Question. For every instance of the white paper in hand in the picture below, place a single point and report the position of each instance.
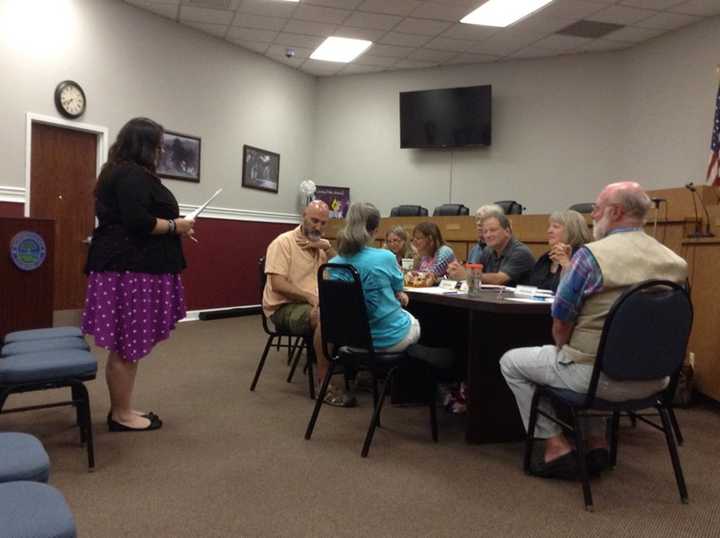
(194, 214)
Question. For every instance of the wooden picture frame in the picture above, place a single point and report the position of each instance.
(180, 157)
(261, 169)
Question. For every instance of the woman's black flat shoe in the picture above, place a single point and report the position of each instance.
(114, 426)
(149, 415)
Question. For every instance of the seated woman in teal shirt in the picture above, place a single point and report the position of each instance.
(392, 327)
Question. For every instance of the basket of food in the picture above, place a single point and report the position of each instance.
(419, 279)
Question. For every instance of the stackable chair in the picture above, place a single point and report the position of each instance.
(409, 211)
(450, 210)
(28, 506)
(347, 343)
(510, 207)
(645, 337)
(584, 207)
(275, 338)
(43, 359)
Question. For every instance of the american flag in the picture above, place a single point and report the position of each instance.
(713, 170)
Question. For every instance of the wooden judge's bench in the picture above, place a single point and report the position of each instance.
(676, 224)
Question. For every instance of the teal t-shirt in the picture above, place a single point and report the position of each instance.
(381, 280)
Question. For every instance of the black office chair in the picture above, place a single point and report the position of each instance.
(450, 210)
(510, 207)
(645, 337)
(275, 337)
(584, 208)
(408, 211)
(346, 331)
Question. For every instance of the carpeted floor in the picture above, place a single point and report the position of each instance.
(229, 462)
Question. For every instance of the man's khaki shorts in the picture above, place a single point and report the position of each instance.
(293, 318)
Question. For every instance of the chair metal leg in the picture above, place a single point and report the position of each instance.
(261, 364)
(292, 346)
(79, 411)
(667, 428)
(633, 419)
(376, 413)
(582, 462)
(613, 437)
(295, 359)
(310, 367)
(81, 390)
(676, 427)
(433, 412)
(319, 400)
(530, 438)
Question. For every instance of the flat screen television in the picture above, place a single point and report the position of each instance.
(452, 117)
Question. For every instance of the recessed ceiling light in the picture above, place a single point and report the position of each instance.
(340, 49)
(503, 13)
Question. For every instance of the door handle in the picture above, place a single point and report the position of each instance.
(87, 240)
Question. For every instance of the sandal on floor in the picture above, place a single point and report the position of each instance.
(155, 424)
(336, 398)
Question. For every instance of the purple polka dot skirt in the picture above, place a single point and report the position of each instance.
(131, 312)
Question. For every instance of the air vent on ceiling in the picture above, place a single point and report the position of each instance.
(589, 29)
(217, 4)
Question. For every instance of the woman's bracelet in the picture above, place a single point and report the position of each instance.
(171, 229)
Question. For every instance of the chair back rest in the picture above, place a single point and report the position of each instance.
(449, 210)
(343, 314)
(510, 207)
(408, 211)
(646, 333)
(585, 207)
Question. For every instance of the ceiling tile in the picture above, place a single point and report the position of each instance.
(633, 34)
(668, 21)
(466, 58)
(413, 64)
(427, 55)
(248, 20)
(359, 33)
(621, 15)
(469, 31)
(561, 42)
(651, 4)
(541, 25)
(369, 59)
(421, 26)
(443, 12)
(236, 34)
(253, 46)
(281, 50)
(470, 4)
(372, 20)
(216, 4)
(568, 9)
(358, 69)
(320, 14)
(532, 52)
(168, 10)
(698, 7)
(340, 4)
(295, 40)
(270, 9)
(404, 40)
(212, 29)
(391, 7)
(209, 16)
(505, 43)
(320, 68)
(391, 51)
(309, 28)
(599, 45)
(443, 43)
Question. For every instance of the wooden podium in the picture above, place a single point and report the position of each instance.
(27, 296)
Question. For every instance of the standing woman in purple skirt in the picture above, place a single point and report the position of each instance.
(134, 292)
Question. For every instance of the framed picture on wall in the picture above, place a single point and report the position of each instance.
(261, 169)
(337, 199)
(180, 158)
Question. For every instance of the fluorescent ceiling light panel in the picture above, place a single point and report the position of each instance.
(340, 49)
(503, 12)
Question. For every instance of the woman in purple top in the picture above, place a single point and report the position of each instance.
(134, 292)
(434, 254)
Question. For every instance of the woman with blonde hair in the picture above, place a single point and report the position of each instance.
(567, 231)
(396, 241)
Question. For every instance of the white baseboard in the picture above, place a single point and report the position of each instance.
(194, 315)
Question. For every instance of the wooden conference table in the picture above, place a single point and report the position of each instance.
(480, 329)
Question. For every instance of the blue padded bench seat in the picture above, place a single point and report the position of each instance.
(22, 457)
(34, 367)
(41, 334)
(34, 510)
(50, 344)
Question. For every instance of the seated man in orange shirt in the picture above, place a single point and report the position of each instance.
(290, 298)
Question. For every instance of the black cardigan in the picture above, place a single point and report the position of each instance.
(128, 199)
(541, 276)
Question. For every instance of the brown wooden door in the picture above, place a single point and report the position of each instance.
(62, 180)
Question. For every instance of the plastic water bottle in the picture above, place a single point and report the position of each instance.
(474, 274)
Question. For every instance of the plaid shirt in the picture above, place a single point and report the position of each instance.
(583, 279)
